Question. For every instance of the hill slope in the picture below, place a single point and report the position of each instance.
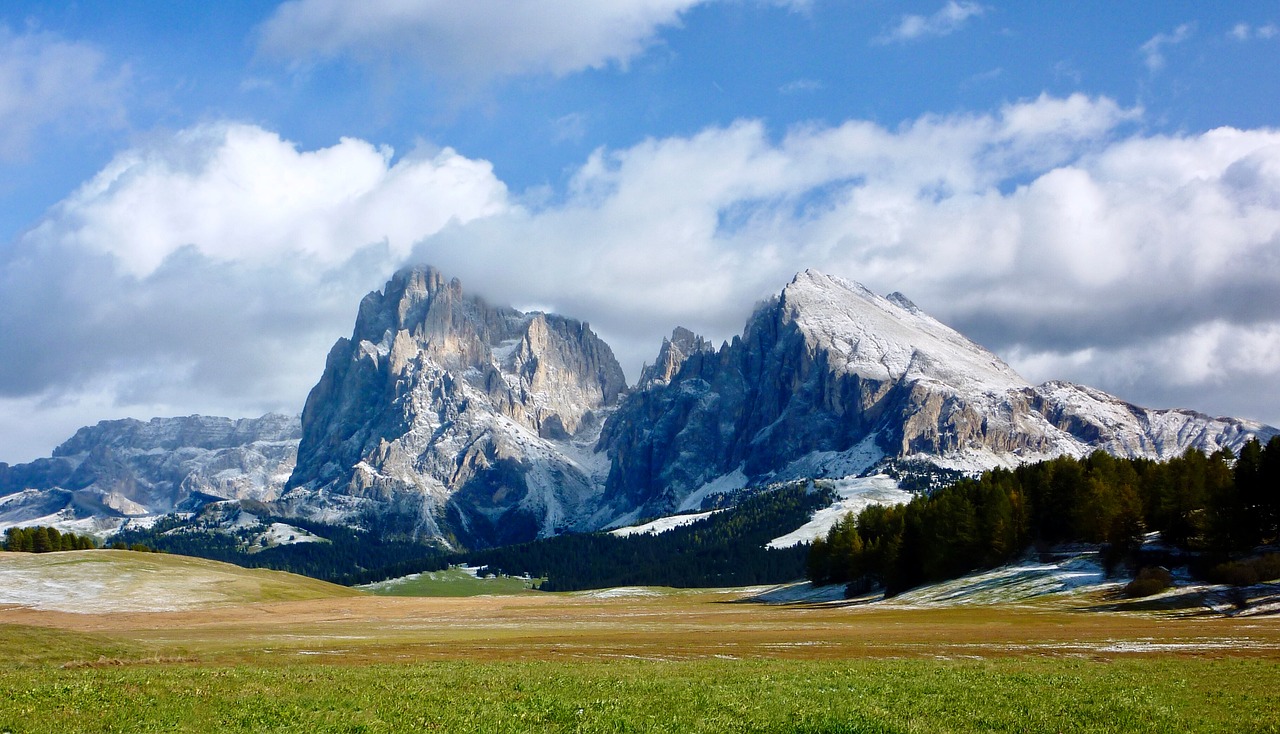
(124, 581)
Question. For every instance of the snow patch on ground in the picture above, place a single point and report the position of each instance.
(90, 582)
(854, 494)
(662, 524)
(620, 592)
(1013, 583)
(281, 534)
(803, 592)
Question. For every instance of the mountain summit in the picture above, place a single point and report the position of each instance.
(830, 379)
(466, 421)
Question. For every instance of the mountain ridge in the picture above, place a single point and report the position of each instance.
(445, 418)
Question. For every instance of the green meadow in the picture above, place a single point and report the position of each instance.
(452, 581)
(1007, 694)
(320, 659)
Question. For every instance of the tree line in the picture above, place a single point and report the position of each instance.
(43, 539)
(1217, 506)
(346, 555)
(725, 549)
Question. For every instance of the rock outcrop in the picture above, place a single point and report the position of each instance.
(446, 417)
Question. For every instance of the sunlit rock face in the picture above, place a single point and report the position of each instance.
(446, 417)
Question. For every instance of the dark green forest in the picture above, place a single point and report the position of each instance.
(725, 549)
(1214, 508)
(348, 557)
(42, 539)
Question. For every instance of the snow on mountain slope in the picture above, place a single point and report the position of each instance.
(662, 524)
(829, 379)
(854, 494)
(889, 339)
(446, 418)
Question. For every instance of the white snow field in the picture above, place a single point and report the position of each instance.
(1016, 582)
(662, 524)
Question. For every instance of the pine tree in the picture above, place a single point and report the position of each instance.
(40, 540)
(1269, 490)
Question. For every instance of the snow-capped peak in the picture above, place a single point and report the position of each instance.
(889, 338)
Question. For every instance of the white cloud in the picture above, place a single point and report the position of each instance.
(47, 82)
(211, 271)
(1040, 230)
(474, 40)
(1153, 49)
(951, 18)
(801, 86)
(1048, 230)
(1245, 32)
(238, 193)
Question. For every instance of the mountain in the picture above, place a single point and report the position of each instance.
(445, 417)
(119, 469)
(830, 379)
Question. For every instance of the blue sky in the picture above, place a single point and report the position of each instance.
(194, 196)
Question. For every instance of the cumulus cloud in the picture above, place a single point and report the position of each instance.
(1050, 230)
(48, 82)
(951, 18)
(1153, 49)
(474, 40)
(238, 193)
(1045, 231)
(211, 270)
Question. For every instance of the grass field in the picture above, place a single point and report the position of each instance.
(635, 660)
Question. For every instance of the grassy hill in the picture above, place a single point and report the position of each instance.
(114, 580)
(453, 581)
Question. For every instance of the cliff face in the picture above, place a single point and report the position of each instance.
(454, 419)
(129, 468)
(829, 378)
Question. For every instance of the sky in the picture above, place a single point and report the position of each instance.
(195, 196)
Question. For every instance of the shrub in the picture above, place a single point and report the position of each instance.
(1268, 567)
(1248, 572)
(1150, 580)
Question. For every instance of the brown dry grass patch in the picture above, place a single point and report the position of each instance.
(679, 626)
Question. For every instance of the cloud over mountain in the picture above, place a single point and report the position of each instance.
(223, 261)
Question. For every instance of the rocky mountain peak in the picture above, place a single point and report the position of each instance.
(438, 395)
(829, 378)
(672, 356)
